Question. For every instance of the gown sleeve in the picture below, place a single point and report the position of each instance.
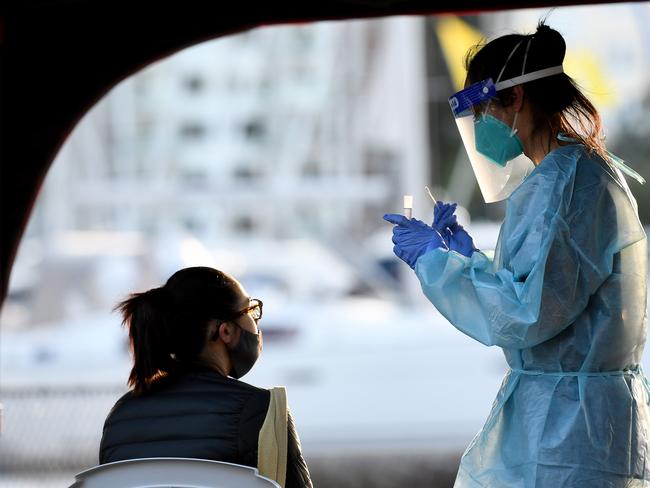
(555, 250)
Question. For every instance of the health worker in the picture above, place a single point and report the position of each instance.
(564, 296)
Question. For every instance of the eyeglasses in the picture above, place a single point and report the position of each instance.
(254, 310)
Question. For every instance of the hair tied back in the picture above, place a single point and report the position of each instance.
(550, 41)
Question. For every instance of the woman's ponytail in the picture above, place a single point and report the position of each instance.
(148, 317)
(168, 325)
(559, 102)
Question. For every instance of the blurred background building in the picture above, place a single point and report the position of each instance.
(272, 154)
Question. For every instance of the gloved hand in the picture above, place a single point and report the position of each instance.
(444, 218)
(454, 234)
(412, 238)
(460, 241)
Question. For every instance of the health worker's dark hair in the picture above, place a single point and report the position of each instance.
(558, 103)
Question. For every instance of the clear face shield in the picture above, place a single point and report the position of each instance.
(494, 149)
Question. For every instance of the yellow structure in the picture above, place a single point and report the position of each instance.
(456, 37)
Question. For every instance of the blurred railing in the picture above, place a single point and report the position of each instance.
(50, 433)
(53, 428)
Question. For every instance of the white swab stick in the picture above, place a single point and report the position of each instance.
(430, 195)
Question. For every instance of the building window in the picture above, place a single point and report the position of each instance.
(192, 224)
(311, 168)
(192, 131)
(245, 172)
(255, 130)
(243, 224)
(193, 84)
(194, 178)
(380, 161)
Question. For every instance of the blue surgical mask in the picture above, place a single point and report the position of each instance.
(496, 140)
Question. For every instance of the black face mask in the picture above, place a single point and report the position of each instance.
(244, 355)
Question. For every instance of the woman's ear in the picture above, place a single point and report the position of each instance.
(225, 331)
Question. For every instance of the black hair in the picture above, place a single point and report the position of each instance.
(558, 103)
(168, 325)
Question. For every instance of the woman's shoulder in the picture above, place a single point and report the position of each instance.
(553, 172)
(258, 398)
(560, 164)
(218, 381)
(563, 172)
(192, 389)
(592, 169)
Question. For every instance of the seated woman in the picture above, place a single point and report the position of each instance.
(192, 339)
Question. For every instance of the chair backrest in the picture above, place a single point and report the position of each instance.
(171, 472)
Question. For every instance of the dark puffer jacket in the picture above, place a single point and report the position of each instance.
(197, 413)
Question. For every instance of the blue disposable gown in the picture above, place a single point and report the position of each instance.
(565, 297)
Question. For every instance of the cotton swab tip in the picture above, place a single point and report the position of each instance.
(430, 195)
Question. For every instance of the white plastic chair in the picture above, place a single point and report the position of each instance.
(171, 472)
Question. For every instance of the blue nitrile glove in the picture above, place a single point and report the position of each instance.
(460, 241)
(412, 238)
(454, 235)
(444, 218)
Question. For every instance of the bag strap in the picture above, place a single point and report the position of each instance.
(272, 441)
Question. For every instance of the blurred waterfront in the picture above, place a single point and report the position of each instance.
(273, 154)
